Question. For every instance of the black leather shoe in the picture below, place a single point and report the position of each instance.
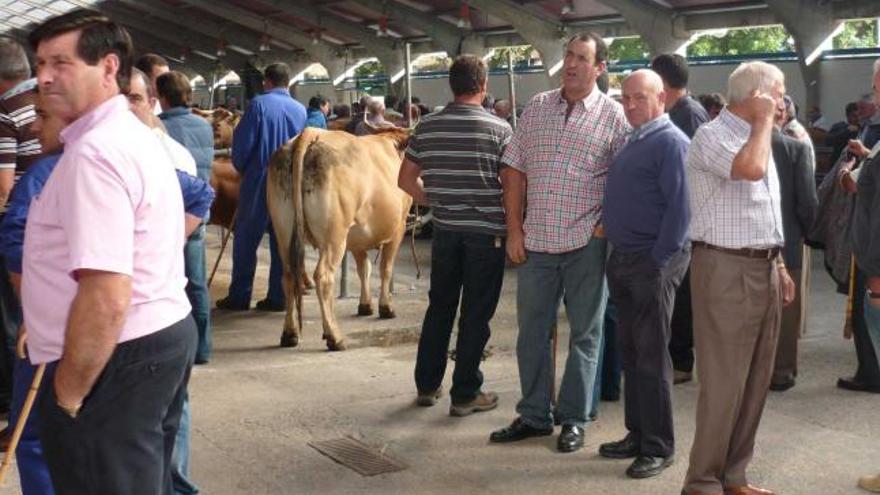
(571, 438)
(230, 305)
(621, 449)
(267, 305)
(857, 385)
(782, 386)
(646, 466)
(518, 430)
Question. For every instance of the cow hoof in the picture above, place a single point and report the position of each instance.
(386, 313)
(289, 340)
(365, 309)
(335, 346)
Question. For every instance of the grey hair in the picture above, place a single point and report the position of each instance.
(751, 76)
(14, 63)
(375, 106)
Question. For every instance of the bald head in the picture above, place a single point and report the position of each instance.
(642, 97)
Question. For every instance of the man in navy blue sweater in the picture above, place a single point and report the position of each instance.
(646, 218)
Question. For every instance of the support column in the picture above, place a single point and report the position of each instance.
(658, 27)
(811, 24)
(545, 36)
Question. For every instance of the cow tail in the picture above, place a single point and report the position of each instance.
(297, 249)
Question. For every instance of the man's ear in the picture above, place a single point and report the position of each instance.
(110, 66)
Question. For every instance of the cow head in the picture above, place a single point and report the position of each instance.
(223, 123)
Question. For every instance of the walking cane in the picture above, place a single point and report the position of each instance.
(22, 419)
(223, 247)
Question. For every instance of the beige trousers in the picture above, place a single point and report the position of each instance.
(737, 308)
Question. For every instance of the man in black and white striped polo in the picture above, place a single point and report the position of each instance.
(452, 165)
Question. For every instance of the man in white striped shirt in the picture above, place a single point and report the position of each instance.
(739, 282)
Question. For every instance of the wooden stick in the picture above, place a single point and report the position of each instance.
(223, 247)
(22, 420)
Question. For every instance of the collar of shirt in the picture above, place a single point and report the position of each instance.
(21, 87)
(281, 91)
(174, 112)
(586, 101)
(649, 127)
(740, 127)
(85, 123)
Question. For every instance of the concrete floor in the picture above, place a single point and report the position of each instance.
(256, 407)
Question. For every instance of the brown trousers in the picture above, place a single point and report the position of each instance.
(737, 305)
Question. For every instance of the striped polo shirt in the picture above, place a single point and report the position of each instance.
(19, 148)
(459, 152)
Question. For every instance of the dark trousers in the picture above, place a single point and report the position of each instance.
(122, 439)
(472, 266)
(644, 296)
(10, 320)
(681, 344)
(868, 370)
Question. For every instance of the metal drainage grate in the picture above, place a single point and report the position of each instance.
(357, 456)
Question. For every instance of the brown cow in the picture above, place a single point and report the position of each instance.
(336, 192)
(224, 178)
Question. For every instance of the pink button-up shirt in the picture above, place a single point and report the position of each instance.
(566, 164)
(113, 204)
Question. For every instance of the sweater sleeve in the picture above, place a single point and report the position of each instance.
(676, 218)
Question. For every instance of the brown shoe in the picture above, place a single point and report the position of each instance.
(5, 438)
(747, 490)
(680, 377)
(429, 398)
(485, 401)
(870, 483)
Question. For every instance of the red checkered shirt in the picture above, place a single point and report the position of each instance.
(566, 165)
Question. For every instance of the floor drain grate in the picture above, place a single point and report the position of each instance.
(357, 456)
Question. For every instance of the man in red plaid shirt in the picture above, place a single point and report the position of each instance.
(557, 164)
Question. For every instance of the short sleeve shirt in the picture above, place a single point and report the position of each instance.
(112, 204)
(566, 164)
(459, 152)
(728, 212)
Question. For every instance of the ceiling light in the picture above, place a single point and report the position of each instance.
(464, 17)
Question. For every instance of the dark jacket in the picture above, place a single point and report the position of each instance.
(866, 216)
(195, 134)
(795, 168)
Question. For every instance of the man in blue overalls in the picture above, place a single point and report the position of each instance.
(271, 120)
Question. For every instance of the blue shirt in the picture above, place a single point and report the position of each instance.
(197, 198)
(12, 227)
(271, 120)
(316, 118)
(194, 133)
(646, 198)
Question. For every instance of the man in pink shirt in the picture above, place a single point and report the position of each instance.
(102, 275)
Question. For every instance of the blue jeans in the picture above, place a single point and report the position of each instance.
(180, 455)
(197, 291)
(32, 469)
(543, 280)
(872, 318)
(607, 385)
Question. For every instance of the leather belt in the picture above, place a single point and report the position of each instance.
(764, 254)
